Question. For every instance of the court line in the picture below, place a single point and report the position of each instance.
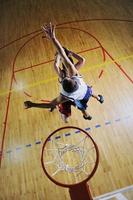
(38, 142)
(101, 73)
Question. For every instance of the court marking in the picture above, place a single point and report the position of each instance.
(38, 142)
(12, 78)
(101, 73)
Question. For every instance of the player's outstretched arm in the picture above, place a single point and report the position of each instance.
(50, 33)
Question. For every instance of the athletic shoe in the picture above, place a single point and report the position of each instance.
(87, 118)
(101, 100)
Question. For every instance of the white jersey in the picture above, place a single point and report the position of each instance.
(80, 93)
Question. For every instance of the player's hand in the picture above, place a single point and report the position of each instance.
(28, 104)
(49, 30)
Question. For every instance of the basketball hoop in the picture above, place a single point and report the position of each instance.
(70, 158)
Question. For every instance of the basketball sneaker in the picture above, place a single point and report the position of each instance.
(87, 118)
(101, 99)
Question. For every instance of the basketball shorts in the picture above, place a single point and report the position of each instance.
(65, 108)
(82, 104)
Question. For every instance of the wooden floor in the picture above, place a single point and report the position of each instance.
(102, 32)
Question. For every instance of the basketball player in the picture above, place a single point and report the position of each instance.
(65, 108)
(74, 89)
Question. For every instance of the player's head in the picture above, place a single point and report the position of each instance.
(69, 85)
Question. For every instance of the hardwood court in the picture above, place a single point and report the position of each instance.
(100, 31)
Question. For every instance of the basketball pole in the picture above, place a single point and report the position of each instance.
(80, 192)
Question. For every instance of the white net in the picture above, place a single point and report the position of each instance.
(58, 154)
(69, 159)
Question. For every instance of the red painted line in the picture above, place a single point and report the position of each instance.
(5, 119)
(100, 74)
(36, 65)
(104, 56)
(89, 50)
(32, 69)
(14, 78)
(27, 94)
(120, 67)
